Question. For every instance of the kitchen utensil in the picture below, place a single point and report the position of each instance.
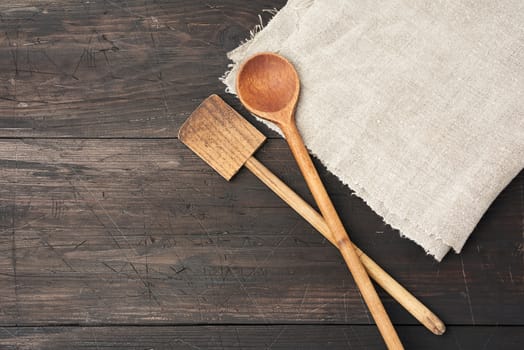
(226, 141)
(268, 86)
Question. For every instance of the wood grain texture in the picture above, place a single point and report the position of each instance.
(142, 232)
(254, 337)
(94, 232)
(220, 136)
(114, 68)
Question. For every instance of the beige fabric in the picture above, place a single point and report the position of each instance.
(416, 105)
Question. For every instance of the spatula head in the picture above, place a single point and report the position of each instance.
(220, 136)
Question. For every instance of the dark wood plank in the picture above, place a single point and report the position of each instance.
(142, 231)
(115, 68)
(256, 337)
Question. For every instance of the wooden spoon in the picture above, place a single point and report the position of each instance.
(268, 85)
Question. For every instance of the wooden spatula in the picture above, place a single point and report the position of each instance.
(226, 141)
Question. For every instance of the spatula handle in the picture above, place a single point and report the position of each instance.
(345, 246)
(388, 283)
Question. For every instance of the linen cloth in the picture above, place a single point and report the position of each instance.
(416, 105)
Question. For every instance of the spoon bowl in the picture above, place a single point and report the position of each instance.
(268, 85)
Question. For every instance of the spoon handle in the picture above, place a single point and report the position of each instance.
(345, 246)
(422, 313)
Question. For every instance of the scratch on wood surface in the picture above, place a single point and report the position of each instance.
(362, 303)
(127, 10)
(8, 332)
(106, 213)
(345, 307)
(82, 55)
(29, 223)
(19, 10)
(13, 240)
(485, 346)
(109, 267)
(242, 286)
(276, 338)
(52, 248)
(148, 282)
(251, 299)
(79, 244)
(319, 307)
(193, 346)
(272, 251)
(299, 313)
(155, 24)
(347, 338)
(237, 336)
(146, 285)
(94, 338)
(456, 341)
(467, 291)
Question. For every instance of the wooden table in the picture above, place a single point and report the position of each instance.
(114, 234)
